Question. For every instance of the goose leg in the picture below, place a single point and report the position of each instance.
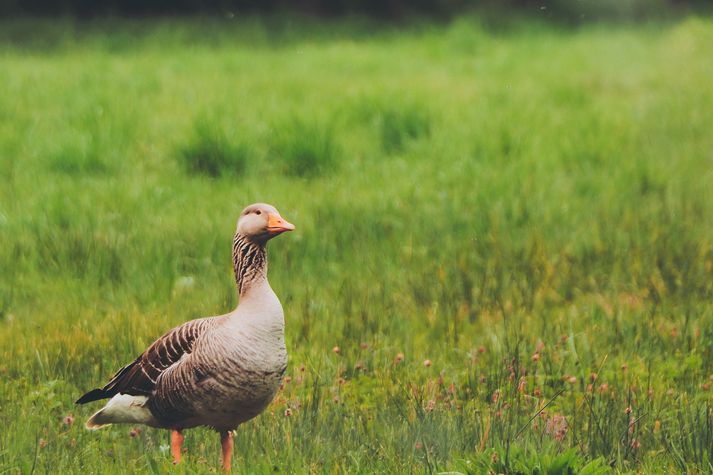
(176, 443)
(226, 441)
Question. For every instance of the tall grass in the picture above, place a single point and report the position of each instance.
(210, 152)
(505, 234)
(304, 149)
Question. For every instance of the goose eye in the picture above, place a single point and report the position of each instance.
(258, 212)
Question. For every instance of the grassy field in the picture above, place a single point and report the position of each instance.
(507, 233)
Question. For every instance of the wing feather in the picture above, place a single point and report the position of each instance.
(139, 377)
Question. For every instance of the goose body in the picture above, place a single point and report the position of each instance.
(216, 371)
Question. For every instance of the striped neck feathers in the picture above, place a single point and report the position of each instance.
(249, 263)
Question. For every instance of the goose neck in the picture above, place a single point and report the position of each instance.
(249, 264)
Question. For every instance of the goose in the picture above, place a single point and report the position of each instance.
(216, 371)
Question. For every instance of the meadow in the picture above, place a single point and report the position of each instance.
(503, 259)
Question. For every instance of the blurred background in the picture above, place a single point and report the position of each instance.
(562, 10)
(503, 260)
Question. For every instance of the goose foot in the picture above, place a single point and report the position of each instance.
(176, 443)
(226, 441)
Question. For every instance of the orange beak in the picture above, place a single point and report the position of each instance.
(276, 224)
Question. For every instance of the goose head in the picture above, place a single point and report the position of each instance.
(261, 222)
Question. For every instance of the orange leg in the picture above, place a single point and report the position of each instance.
(176, 443)
(226, 440)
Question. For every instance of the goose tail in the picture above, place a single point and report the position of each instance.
(122, 408)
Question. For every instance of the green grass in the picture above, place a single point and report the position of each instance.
(303, 149)
(210, 152)
(527, 209)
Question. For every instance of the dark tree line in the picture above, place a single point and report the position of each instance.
(386, 9)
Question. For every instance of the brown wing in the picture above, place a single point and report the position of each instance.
(139, 377)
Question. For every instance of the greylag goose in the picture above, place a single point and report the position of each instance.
(215, 371)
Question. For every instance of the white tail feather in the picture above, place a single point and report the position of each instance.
(122, 408)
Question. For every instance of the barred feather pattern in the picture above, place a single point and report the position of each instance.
(222, 390)
(249, 262)
(140, 376)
